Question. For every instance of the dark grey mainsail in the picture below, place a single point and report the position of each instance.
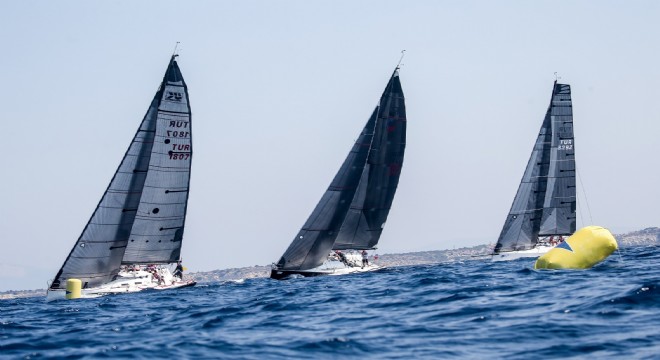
(157, 232)
(559, 206)
(368, 212)
(366, 180)
(545, 203)
(141, 215)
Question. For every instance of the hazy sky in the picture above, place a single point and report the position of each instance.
(280, 90)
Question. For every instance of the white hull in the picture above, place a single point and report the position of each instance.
(512, 255)
(346, 269)
(333, 266)
(129, 282)
(321, 271)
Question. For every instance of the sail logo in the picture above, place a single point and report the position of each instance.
(394, 169)
(178, 124)
(174, 96)
(180, 147)
(565, 144)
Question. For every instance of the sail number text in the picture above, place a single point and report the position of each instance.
(179, 134)
(179, 151)
(565, 145)
(179, 156)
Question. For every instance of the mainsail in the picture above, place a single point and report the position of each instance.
(545, 203)
(141, 215)
(366, 183)
(368, 212)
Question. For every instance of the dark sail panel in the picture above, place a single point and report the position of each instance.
(157, 232)
(314, 241)
(98, 253)
(370, 207)
(559, 207)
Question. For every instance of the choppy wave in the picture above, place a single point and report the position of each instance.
(476, 309)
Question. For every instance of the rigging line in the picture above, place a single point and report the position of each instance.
(582, 219)
(618, 252)
(584, 192)
(403, 53)
(177, 45)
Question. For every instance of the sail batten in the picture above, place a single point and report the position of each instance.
(545, 202)
(129, 205)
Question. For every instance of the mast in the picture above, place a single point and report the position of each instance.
(98, 252)
(540, 184)
(371, 205)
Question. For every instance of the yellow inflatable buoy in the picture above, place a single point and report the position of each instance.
(582, 250)
(73, 287)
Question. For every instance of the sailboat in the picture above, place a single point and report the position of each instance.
(544, 209)
(134, 236)
(349, 219)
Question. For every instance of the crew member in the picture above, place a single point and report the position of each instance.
(341, 256)
(179, 270)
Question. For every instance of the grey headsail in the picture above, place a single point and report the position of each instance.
(368, 212)
(314, 241)
(367, 180)
(545, 201)
(146, 198)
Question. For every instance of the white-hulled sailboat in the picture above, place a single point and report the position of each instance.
(544, 209)
(133, 239)
(349, 218)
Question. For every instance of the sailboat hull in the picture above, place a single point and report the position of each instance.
(279, 274)
(128, 282)
(513, 255)
(92, 293)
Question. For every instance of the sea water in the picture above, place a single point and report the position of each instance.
(470, 310)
